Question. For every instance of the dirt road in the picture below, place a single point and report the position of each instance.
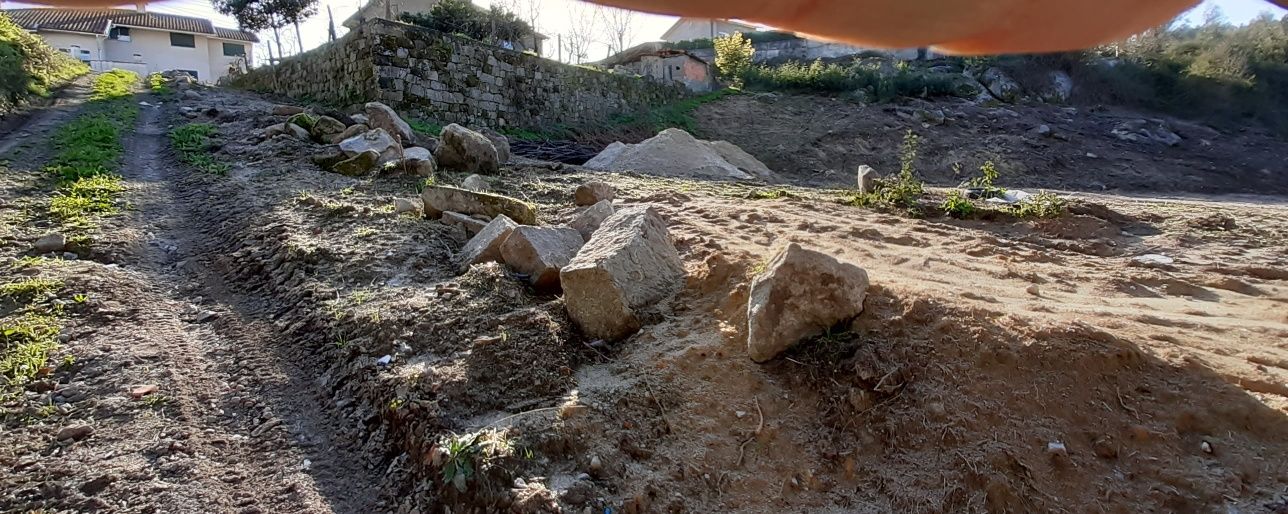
(236, 422)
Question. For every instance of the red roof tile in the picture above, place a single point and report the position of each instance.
(95, 21)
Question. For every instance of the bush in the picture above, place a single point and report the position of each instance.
(756, 37)
(733, 57)
(957, 205)
(461, 17)
(835, 78)
(901, 192)
(28, 66)
(1042, 205)
(114, 84)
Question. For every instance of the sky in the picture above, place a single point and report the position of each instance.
(555, 18)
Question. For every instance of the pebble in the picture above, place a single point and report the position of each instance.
(74, 433)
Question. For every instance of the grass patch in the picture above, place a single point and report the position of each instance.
(768, 194)
(674, 115)
(88, 152)
(114, 84)
(192, 141)
(25, 345)
(29, 289)
(424, 127)
(80, 201)
(859, 75)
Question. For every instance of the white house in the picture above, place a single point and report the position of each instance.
(140, 41)
(686, 29)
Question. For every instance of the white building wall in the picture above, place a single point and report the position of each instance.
(155, 49)
(65, 40)
(219, 63)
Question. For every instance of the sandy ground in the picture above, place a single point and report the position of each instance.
(984, 345)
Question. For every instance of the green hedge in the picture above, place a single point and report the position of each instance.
(28, 66)
(881, 85)
(761, 36)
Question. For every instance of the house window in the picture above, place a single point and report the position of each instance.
(117, 33)
(234, 50)
(183, 40)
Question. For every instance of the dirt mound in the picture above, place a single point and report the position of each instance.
(675, 153)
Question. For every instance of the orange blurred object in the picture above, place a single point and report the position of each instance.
(950, 26)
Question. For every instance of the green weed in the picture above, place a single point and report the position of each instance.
(903, 191)
(466, 455)
(157, 84)
(1042, 205)
(25, 343)
(114, 84)
(768, 194)
(424, 127)
(957, 205)
(192, 142)
(986, 181)
(28, 289)
(77, 202)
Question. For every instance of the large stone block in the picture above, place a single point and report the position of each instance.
(628, 265)
(801, 294)
(445, 198)
(486, 245)
(466, 150)
(540, 252)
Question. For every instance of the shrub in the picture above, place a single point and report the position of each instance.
(29, 66)
(461, 17)
(733, 57)
(905, 190)
(986, 181)
(881, 85)
(1042, 205)
(957, 205)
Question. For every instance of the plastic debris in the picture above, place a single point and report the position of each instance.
(1010, 196)
(384, 361)
(1153, 259)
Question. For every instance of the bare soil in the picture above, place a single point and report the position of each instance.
(342, 336)
(820, 141)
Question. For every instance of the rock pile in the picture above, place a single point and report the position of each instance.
(676, 153)
(611, 264)
(379, 138)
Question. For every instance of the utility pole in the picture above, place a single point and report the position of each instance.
(330, 29)
(388, 9)
(559, 39)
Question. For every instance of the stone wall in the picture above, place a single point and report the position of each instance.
(446, 78)
(339, 72)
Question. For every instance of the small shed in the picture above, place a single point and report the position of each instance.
(665, 64)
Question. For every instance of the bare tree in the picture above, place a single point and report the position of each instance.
(527, 10)
(581, 31)
(618, 27)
